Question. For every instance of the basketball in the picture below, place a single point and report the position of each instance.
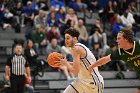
(53, 57)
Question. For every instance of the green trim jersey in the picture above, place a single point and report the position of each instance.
(131, 56)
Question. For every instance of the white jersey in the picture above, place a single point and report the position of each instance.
(84, 77)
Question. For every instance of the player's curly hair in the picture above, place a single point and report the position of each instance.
(127, 34)
(73, 32)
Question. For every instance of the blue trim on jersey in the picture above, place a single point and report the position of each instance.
(87, 69)
(95, 74)
(89, 64)
(74, 88)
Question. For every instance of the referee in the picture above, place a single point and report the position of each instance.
(15, 70)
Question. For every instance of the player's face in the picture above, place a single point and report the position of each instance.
(121, 40)
(68, 40)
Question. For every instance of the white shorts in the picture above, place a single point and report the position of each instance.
(79, 87)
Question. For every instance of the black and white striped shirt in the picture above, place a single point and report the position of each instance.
(17, 64)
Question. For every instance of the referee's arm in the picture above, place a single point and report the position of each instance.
(7, 69)
(27, 69)
(7, 72)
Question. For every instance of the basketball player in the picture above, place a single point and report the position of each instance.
(82, 58)
(128, 51)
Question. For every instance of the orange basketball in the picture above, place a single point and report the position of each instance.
(53, 57)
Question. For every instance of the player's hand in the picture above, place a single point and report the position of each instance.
(90, 69)
(62, 61)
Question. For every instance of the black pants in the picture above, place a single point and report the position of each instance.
(17, 83)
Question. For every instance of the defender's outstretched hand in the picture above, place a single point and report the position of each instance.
(90, 69)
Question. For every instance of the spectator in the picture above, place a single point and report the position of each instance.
(98, 35)
(52, 19)
(15, 69)
(39, 39)
(73, 4)
(83, 32)
(128, 20)
(68, 25)
(8, 19)
(134, 11)
(61, 17)
(96, 50)
(52, 33)
(36, 6)
(30, 53)
(57, 4)
(82, 4)
(17, 11)
(72, 16)
(116, 27)
(93, 5)
(44, 6)
(2, 9)
(53, 47)
(40, 19)
(28, 14)
(109, 10)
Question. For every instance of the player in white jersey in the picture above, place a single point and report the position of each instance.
(82, 58)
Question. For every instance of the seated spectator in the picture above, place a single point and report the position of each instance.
(28, 14)
(128, 20)
(57, 4)
(2, 9)
(116, 27)
(73, 4)
(53, 47)
(17, 11)
(39, 39)
(44, 6)
(8, 19)
(82, 4)
(97, 34)
(93, 5)
(72, 16)
(40, 19)
(36, 6)
(83, 31)
(134, 11)
(68, 24)
(97, 51)
(61, 17)
(53, 33)
(52, 19)
(30, 53)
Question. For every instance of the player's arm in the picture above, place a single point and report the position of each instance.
(75, 66)
(99, 62)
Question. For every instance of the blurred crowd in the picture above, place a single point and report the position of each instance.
(50, 18)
